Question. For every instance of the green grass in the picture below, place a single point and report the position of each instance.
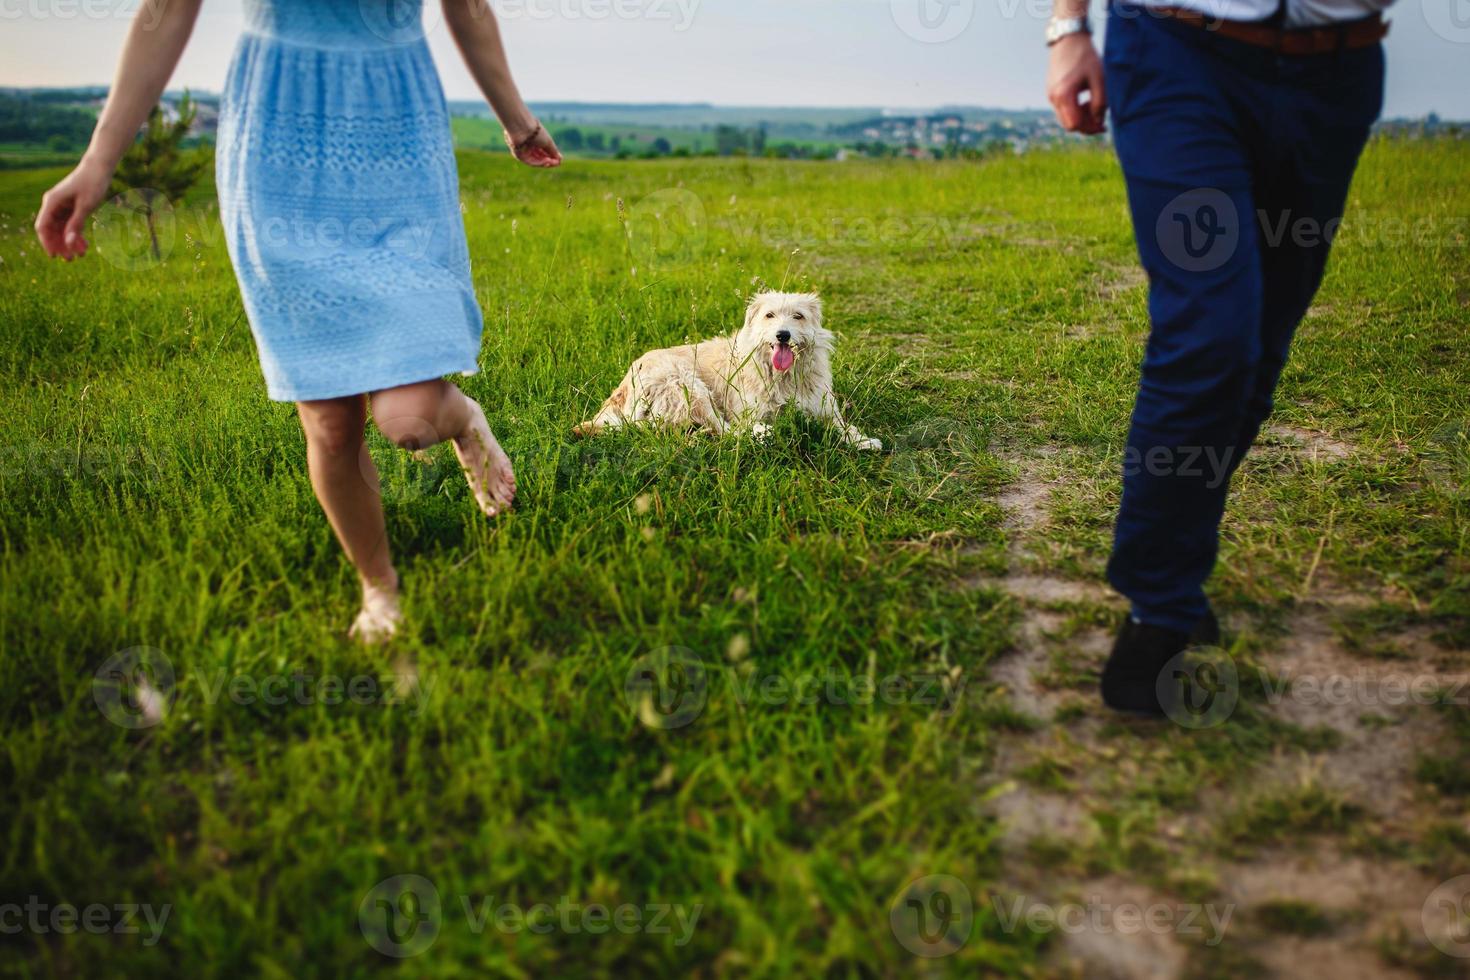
(30, 155)
(483, 133)
(1281, 815)
(1448, 770)
(151, 496)
(1294, 917)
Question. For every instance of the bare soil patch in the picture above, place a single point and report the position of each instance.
(1119, 279)
(1377, 707)
(1310, 444)
(1109, 943)
(1366, 902)
(1381, 709)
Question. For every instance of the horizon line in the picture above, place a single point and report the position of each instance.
(616, 103)
(784, 107)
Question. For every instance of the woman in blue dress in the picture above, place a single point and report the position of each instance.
(340, 204)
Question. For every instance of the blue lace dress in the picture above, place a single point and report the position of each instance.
(340, 200)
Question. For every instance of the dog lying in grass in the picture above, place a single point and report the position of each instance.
(735, 384)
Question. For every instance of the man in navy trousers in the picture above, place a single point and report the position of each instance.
(1238, 124)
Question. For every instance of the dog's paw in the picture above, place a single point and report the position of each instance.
(760, 432)
(869, 445)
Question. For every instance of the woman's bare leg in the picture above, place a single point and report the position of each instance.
(346, 484)
(425, 414)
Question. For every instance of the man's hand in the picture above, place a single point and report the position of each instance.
(1075, 68)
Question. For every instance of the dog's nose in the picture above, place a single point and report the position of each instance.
(783, 336)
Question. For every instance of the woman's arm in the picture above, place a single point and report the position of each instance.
(475, 30)
(149, 57)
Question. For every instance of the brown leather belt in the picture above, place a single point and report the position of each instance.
(1292, 41)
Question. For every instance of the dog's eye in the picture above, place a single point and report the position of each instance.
(798, 316)
(771, 316)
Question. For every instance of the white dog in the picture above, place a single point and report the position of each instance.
(734, 384)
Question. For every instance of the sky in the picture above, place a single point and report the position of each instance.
(882, 53)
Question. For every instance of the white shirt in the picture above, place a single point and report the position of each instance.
(1299, 13)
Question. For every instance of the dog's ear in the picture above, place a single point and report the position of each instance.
(813, 304)
(753, 310)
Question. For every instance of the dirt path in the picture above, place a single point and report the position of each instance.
(1361, 725)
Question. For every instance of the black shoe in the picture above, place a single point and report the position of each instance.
(1130, 678)
(1206, 632)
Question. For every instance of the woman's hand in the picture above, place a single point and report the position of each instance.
(152, 50)
(477, 32)
(66, 207)
(534, 148)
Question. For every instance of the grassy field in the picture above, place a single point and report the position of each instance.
(878, 736)
(17, 156)
(476, 133)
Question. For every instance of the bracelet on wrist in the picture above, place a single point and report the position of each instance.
(516, 146)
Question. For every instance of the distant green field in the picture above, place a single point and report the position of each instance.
(475, 133)
(884, 729)
(24, 155)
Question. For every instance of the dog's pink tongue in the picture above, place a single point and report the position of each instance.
(783, 358)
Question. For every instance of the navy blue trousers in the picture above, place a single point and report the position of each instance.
(1237, 163)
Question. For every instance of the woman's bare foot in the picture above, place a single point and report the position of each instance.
(486, 467)
(378, 621)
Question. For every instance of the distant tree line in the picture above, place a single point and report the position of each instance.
(27, 120)
(728, 141)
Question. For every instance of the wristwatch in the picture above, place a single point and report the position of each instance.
(1060, 27)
